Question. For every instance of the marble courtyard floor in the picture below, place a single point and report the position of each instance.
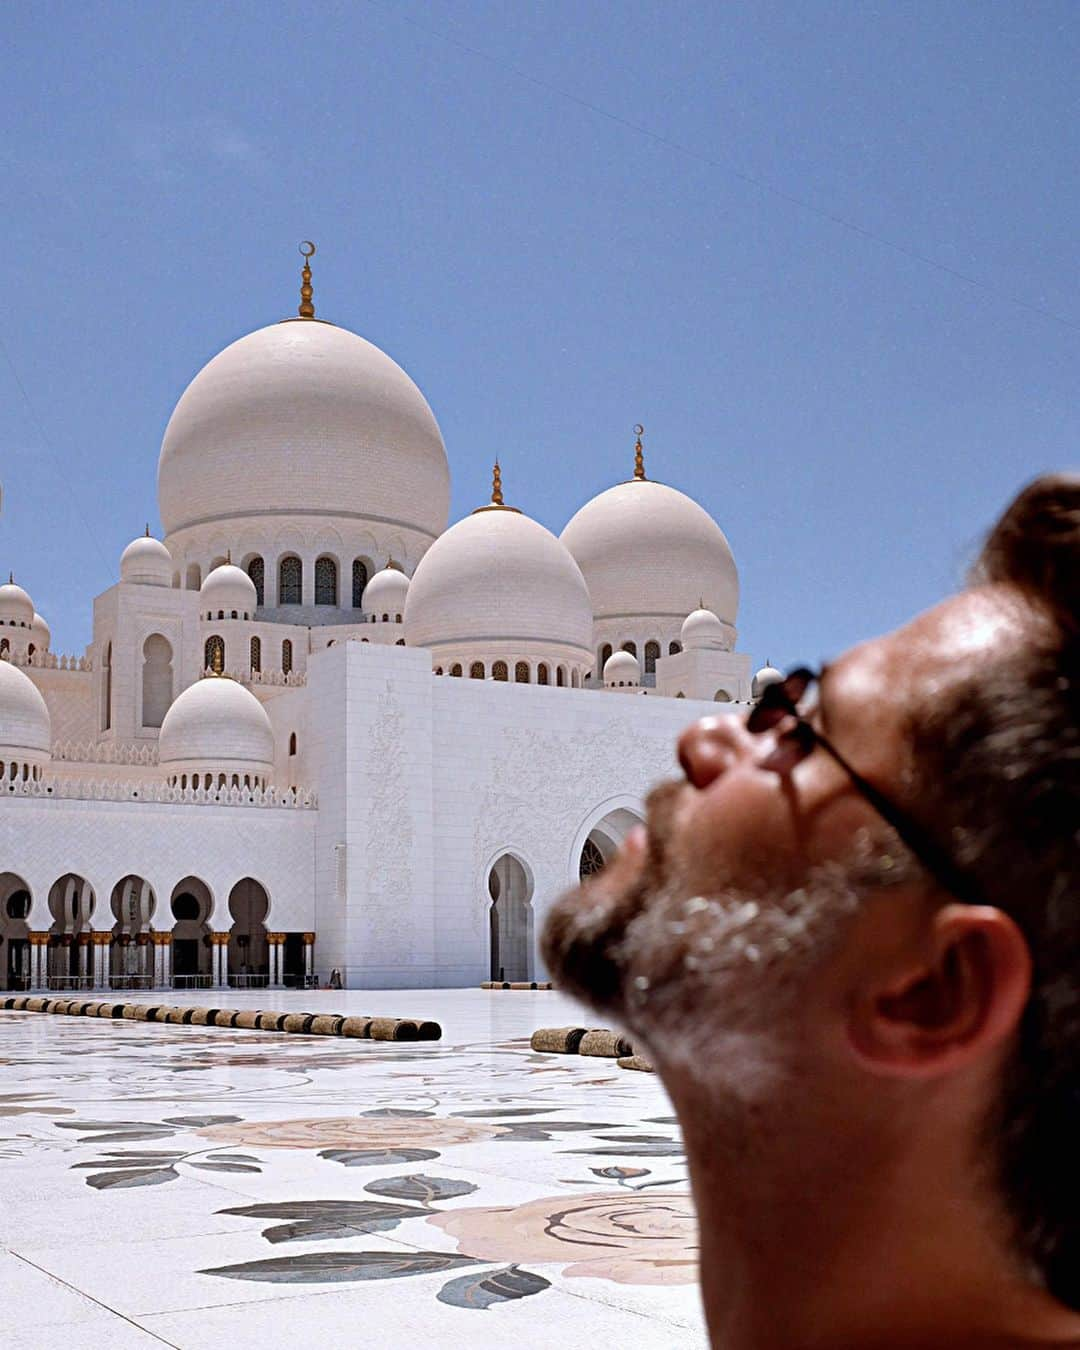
(202, 1188)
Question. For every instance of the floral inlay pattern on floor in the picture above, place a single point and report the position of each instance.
(476, 1176)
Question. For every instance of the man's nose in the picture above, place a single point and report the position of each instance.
(710, 747)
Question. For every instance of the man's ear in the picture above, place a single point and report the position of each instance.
(957, 998)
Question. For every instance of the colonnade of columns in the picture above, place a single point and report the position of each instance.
(155, 959)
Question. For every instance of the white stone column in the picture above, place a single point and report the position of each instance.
(165, 948)
(38, 959)
(309, 954)
(221, 960)
(102, 952)
(85, 954)
(274, 941)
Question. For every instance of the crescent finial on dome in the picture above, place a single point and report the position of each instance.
(307, 309)
(639, 453)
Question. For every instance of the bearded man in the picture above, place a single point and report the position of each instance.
(849, 941)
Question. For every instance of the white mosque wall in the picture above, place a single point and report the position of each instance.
(425, 782)
(69, 696)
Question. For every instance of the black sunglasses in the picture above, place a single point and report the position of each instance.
(781, 700)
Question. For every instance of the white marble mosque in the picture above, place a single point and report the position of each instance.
(318, 728)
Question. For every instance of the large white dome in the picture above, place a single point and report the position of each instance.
(25, 726)
(646, 549)
(216, 726)
(498, 579)
(303, 417)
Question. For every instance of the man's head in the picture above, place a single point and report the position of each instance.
(773, 941)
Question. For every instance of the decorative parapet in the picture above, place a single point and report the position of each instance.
(302, 799)
(292, 679)
(106, 752)
(50, 661)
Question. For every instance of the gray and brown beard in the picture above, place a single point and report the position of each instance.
(679, 968)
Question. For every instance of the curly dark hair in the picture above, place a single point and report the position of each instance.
(998, 767)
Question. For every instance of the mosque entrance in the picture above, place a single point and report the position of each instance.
(131, 958)
(14, 932)
(249, 951)
(71, 904)
(511, 918)
(192, 952)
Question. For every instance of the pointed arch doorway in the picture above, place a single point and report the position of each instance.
(511, 919)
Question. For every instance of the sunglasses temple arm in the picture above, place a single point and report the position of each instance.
(910, 832)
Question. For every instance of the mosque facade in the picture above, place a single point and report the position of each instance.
(316, 728)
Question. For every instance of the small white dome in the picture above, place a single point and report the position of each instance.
(228, 590)
(496, 581)
(386, 593)
(703, 631)
(647, 550)
(766, 675)
(216, 726)
(16, 607)
(25, 726)
(146, 562)
(40, 633)
(621, 669)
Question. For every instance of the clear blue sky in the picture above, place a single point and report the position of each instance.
(550, 274)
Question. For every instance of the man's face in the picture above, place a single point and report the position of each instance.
(756, 861)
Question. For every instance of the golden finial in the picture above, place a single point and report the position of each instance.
(639, 454)
(11, 578)
(228, 556)
(147, 529)
(307, 309)
(496, 486)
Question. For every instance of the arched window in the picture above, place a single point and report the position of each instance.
(214, 655)
(400, 642)
(157, 673)
(292, 742)
(286, 655)
(521, 673)
(31, 649)
(541, 673)
(194, 577)
(721, 696)
(652, 655)
(256, 570)
(290, 581)
(325, 581)
(560, 677)
(680, 694)
(592, 860)
(605, 652)
(674, 648)
(438, 670)
(5, 646)
(359, 581)
(256, 655)
(106, 690)
(499, 671)
(476, 670)
(630, 647)
(456, 669)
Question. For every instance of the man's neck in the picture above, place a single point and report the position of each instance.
(855, 1244)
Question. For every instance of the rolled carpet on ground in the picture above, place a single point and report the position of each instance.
(638, 1062)
(605, 1043)
(304, 1024)
(558, 1040)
